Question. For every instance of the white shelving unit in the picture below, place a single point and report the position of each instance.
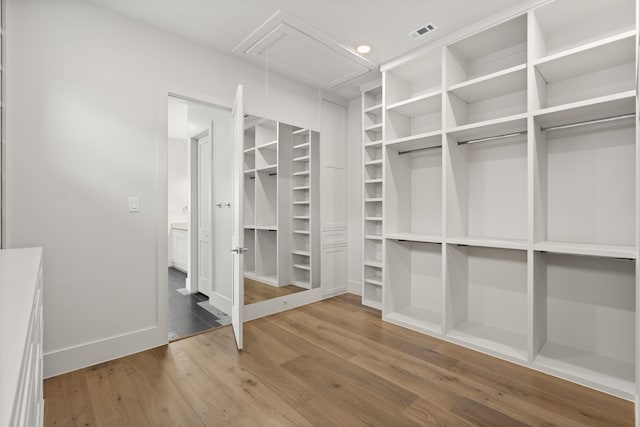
(372, 160)
(505, 189)
(305, 248)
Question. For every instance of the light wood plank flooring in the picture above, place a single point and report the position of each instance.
(255, 291)
(333, 363)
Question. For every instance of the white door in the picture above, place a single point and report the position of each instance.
(238, 249)
(205, 256)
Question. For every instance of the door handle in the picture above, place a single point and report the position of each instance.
(239, 250)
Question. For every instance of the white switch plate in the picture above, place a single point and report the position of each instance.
(134, 204)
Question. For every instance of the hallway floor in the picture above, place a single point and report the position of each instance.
(186, 317)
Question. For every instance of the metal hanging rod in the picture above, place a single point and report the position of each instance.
(492, 138)
(418, 149)
(589, 122)
(271, 174)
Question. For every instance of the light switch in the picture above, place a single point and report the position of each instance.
(134, 204)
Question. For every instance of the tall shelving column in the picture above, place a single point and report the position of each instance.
(372, 147)
(249, 195)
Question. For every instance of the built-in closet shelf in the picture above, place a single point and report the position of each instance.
(374, 282)
(300, 131)
(416, 318)
(570, 248)
(375, 109)
(492, 339)
(301, 202)
(250, 150)
(269, 168)
(420, 105)
(306, 232)
(373, 181)
(301, 188)
(302, 253)
(250, 274)
(374, 128)
(250, 172)
(373, 218)
(301, 173)
(371, 263)
(583, 111)
(591, 57)
(266, 227)
(482, 242)
(301, 159)
(249, 227)
(272, 280)
(301, 217)
(271, 145)
(302, 267)
(373, 237)
(304, 145)
(490, 128)
(373, 162)
(416, 142)
(415, 237)
(592, 369)
(373, 144)
(500, 83)
(373, 200)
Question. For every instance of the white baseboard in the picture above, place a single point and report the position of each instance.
(81, 356)
(220, 302)
(354, 287)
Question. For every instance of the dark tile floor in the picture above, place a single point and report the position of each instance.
(186, 317)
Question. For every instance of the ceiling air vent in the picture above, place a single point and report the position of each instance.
(427, 28)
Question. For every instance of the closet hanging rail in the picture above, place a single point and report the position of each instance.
(589, 122)
(492, 138)
(418, 149)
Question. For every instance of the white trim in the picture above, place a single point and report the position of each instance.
(219, 301)
(354, 287)
(284, 303)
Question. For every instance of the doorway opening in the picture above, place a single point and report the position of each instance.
(200, 190)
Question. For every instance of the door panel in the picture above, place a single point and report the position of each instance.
(204, 214)
(237, 300)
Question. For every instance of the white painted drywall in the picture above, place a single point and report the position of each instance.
(354, 204)
(86, 129)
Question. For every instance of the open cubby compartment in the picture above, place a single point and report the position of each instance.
(267, 256)
(266, 132)
(249, 160)
(249, 201)
(301, 210)
(373, 208)
(301, 275)
(488, 54)
(373, 171)
(487, 299)
(599, 69)
(567, 24)
(301, 195)
(584, 320)
(250, 256)
(266, 156)
(249, 137)
(266, 199)
(300, 142)
(373, 249)
(300, 181)
(373, 135)
(301, 224)
(372, 117)
(372, 99)
(372, 153)
(372, 295)
(584, 177)
(413, 295)
(487, 186)
(373, 228)
(300, 242)
(414, 188)
(373, 189)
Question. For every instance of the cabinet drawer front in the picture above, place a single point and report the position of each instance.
(334, 237)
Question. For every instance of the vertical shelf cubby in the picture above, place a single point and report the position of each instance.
(413, 99)
(487, 75)
(487, 299)
(415, 299)
(414, 190)
(267, 256)
(588, 54)
(585, 320)
(487, 191)
(372, 159)
(250, 255)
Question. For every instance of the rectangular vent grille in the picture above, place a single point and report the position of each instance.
(427, 28)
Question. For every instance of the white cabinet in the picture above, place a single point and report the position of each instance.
(334, 269)
(21, 326)
(178, 249)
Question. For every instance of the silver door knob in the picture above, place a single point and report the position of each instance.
(239, 250)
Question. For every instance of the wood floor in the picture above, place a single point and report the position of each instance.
(332, 363)
(255, 291)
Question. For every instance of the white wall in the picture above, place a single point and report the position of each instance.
(354, 173)
(178, 180)
(86, 128)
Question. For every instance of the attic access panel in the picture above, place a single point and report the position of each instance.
(292, 48)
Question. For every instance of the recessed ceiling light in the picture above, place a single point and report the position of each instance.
(363, 48)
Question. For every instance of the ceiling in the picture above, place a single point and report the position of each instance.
(383, 24)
